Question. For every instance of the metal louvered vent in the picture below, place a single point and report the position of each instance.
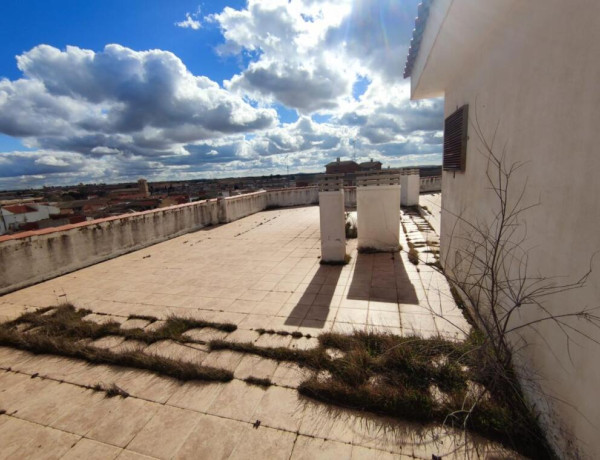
(455, 140)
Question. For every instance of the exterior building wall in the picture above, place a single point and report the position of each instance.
(42, 212)
(535, 82)
(344, 167)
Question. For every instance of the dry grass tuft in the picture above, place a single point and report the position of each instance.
(62, 334)
(377, 372)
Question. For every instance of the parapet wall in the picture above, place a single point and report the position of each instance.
(235, 207)
(31, 257)
(301, 196)
(431, 184)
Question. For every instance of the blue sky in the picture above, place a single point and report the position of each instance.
(115, 90)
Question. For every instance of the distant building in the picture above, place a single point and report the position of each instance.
(15, 216)
(351, 167)
(341, 167)
(370, 165)
(143, 187)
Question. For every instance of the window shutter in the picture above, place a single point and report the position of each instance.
(455, 140)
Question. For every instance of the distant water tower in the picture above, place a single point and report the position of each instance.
(143, 187)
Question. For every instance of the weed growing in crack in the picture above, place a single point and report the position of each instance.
(425, 380)
(63, 333)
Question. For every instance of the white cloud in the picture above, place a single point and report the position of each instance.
(191, 21)
(141, 102)
(119, 114)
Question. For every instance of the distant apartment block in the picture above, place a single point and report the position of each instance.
(28, 216)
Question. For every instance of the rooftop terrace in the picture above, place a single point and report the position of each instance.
(260, 272)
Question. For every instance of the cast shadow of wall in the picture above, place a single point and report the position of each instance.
(380, 277)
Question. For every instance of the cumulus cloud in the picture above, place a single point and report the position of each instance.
(118, 114)
(191, 21)
(142, 102)
(293, 66)
(308, 53)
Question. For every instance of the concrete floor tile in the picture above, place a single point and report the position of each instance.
(364, 453)
(212, 438)
(92, 450)
(237, 400)
(415, 323)
(327, 422)
(307, 448)
(304, 343)
(51, 401)
(359, 304)
(22, 439)
(281, 408)
(197, 396)
(264, 443)
(254, 322)
(223, 359)
(147, 385)
(164, 434)
(384, 318)
(352, 316)
(242, 336)
(135, 324)
(119, 430)
(268, 308)
(255, 366)
(173, 350)
(108, 342)
(206, 334)
(290, 375)
(82, 418)
(273, 341)
(390, 307)
(130, 455)
(252, 294)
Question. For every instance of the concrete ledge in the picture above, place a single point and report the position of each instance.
(31, 257)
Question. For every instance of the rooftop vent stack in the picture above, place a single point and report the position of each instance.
(378, 211)
(332, 218)
(410, 182)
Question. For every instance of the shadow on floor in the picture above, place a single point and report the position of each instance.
(313, 306)
(381, 277)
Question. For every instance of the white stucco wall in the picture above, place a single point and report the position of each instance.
(409, 189)
(537, 80)
(240, 206)
(13, 220)
(378, 213)
(332, 224)
(293, 196)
